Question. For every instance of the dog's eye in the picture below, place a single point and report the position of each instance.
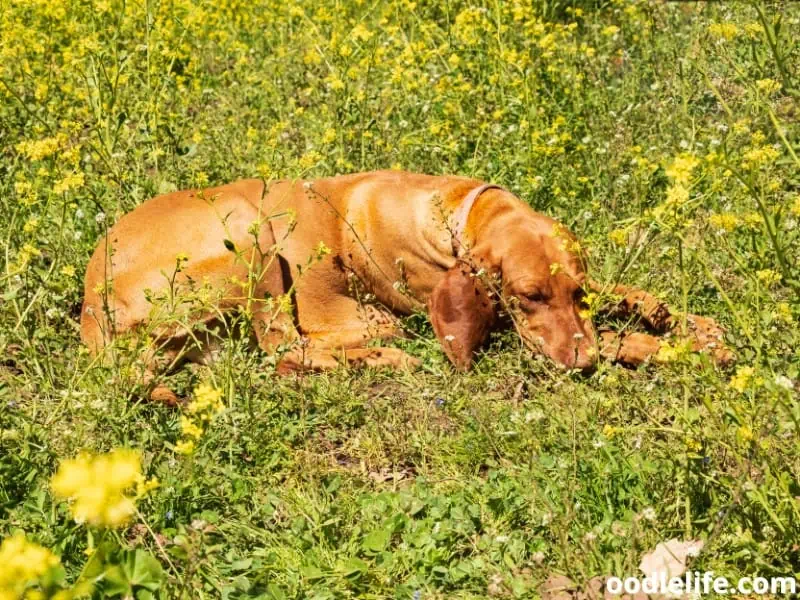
(534, 297)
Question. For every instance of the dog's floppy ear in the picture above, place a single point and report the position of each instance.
(462, 313)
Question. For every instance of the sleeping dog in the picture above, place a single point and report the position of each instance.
(352, 252)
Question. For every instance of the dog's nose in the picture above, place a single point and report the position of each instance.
(585, 364)
(581, 359)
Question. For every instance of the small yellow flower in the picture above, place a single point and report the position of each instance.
(768, 277)
(693, 445)
(97, 486)
(723, 31)
(744, 434)
(768, 86)
(70, 182)
(555, 268)
(329, 136)
(610, 31)
(619, 237)
(184, 447)
(724, 222)
(31, 225)
(68, 271)
(190, 429)
(742, 380)
(22, 563)
(677, 195)
(753, 30)
(322, 250)
(784, 312)
(796, 206)
(680, 170)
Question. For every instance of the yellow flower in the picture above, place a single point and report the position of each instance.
(768, 277)
(360, 32)
(677, 195)
(184, 447)
(97, 486)
(31, 225)
(309, 159)
(68, 271)
(795, 209)
(768, 86)
(724, 221)
(784, 312)
(742, 379)
(329, 136)
(693, 445)
(70, 182)
(190, 429)
(753, 30)
(610, 31)
(322, 250)
(758, 156)
(39, 149)
(723, 31)
(555, 268)
(619, 237)
(22, 563)
(680, 170)
(744, 434)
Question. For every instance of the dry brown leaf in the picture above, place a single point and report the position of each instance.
(669, 558)
(558, 587)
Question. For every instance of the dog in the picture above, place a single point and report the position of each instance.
(351, 252)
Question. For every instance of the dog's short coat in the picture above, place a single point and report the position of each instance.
(407, 240)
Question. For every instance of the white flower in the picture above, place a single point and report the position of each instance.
(501, 539)
(537, 556)
(649, 514)
(784, 382)
(100, 217)
(79, 214)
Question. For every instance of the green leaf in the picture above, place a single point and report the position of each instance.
(145, 571)
(353, 567)
(275, 592)
(376, 540)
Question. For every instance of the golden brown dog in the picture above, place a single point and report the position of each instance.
(354, 250)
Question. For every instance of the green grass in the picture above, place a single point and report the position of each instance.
(380, 484)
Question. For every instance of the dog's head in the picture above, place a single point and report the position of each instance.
(541, 275)
(543, 280)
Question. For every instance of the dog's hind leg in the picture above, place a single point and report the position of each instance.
(323, 359)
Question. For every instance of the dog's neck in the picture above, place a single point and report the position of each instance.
(486, 224)
(459, 218)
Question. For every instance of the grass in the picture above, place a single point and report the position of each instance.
(664, 135)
